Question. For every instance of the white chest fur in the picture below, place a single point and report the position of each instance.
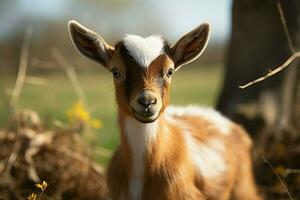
(139, 136)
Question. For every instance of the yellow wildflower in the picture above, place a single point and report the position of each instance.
(42, 185)
(32, 196)
(77, 112)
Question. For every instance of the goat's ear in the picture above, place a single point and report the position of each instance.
(190, 46)
(90, 44)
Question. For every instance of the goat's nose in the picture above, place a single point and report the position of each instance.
(147, 100)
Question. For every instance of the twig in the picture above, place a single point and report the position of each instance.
(13, 156)
(292, 171)
(283, 183)
(22, 68)
(17, 90)
(69, 69)
(286, 30)
(288, 61)
(275, 71)
(43, 190)
(71, 73)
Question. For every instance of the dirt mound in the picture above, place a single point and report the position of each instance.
(29, 154)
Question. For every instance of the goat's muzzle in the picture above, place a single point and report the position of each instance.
(146, 106)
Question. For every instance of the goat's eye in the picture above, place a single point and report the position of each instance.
(116, 73)
(170, 72)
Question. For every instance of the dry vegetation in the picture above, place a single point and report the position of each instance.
(30, 154)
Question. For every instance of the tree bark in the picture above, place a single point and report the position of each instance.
(269, 110)
(258, 43)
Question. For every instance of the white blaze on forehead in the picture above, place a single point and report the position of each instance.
(144, 50)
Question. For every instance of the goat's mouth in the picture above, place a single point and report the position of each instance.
(145, 117)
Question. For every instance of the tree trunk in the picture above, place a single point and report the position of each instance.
(269, 110)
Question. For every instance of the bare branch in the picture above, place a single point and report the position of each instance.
(292, 171)
(275, 71)
(69, 69)
(286, 30)
(283, 183)
(288, 61)
(13, 156)
(22, 68)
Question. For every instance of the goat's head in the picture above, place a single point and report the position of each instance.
(141, 67)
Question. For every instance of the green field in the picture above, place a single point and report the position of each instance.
(189, 86)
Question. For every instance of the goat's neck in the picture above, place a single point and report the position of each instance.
(141, 141)
(144, 151)
(141, 138)
(145, 147)
(140, 146)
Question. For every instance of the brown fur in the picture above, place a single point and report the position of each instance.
(169, 172)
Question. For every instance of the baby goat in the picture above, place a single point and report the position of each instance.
(167, 152)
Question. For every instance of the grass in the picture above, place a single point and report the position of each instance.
(189, 86)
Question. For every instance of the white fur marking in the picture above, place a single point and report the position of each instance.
(216, 119)
(206, 156)
(144, 50)
(139, 135)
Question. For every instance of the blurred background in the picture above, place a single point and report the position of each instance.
(60, 93)
(112, 19)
